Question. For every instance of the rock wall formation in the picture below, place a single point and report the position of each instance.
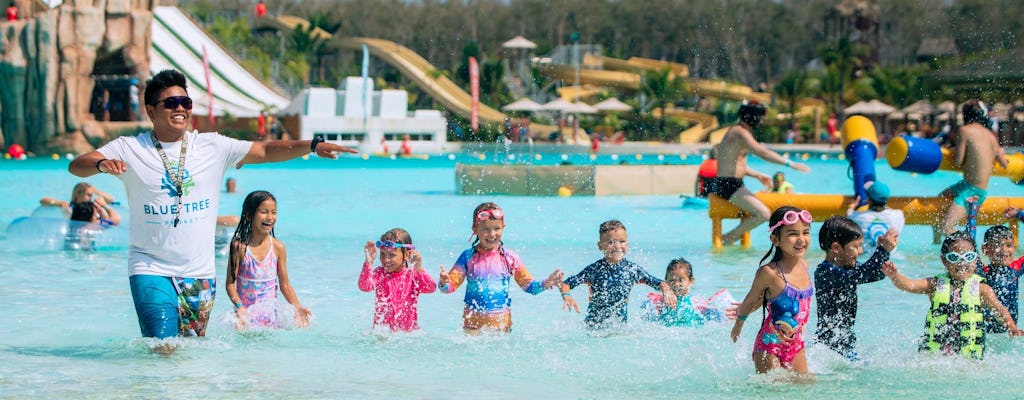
(47, 61)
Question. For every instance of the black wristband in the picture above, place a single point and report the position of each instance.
(317, 139)
(98, 165)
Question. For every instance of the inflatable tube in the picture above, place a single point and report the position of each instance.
(49, 234)
(860, 143)
(907, 153)
(911, 154)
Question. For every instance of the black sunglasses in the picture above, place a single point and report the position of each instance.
(173, 102)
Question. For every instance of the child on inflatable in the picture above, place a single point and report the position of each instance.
(257, 267)
(689, 311)
(397, 282)
(783, 288)
(836, 280)
(487, 267)
(878, 218)
(955, 324)
(1002, 272)
(611, 279)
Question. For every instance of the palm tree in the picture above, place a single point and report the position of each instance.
(843, 62)
(664, 88)
(792, 87)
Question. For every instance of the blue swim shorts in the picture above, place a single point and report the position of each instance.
(168, 307)
(962, 190)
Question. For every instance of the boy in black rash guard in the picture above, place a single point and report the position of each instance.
(837, 277)
(611, 279)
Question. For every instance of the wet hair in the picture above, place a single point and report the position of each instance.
(397, 235)
(947, 243)
(487, 206)
(680, 263)
(840, 230)
(610, 225)
(998, 232)
(973, 112)
(774, 219)
(79, 191)
(243, 232)
(163, 80)
(752, 113)
(83, 211)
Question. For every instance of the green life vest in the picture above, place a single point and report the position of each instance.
(965, 334)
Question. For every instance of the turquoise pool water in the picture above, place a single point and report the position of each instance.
(70, 329)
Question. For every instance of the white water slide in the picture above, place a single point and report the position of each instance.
(178, 43)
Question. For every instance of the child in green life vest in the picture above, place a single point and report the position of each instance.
(955, 323)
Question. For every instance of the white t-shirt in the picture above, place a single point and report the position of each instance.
(156, 246)
(876, 223)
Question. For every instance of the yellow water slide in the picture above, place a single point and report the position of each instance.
(411, 65)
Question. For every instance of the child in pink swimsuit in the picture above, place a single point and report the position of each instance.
(257, 267)
(783, 287)
(397, 287)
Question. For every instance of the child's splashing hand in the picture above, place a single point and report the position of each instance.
(553, 280)
(416, 261)
(568, 303)
(241, 318)
(889, 268)
(889, 240)
(733, 311)
(442, 280)
(302, 317)
(371, 252)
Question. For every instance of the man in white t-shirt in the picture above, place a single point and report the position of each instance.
(877, 219)
(173, 177)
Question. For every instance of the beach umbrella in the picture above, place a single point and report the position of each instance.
(613, 104)
(523, 104)
(519, 42)
(872, 107)
(559, 104)
(582, 108)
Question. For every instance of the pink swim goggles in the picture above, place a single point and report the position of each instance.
(791, 217)
(490, 214)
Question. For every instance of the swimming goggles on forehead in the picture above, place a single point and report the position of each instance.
(791, 217)
(957, 258)
(490, 214)
(173, 102)
(387, 244)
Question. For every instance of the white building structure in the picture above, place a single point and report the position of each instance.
(339, 116)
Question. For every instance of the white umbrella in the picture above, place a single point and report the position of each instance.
(873, 107)
(613, 104)
(519, 42)
(582, 108)
(523, 104)
(558, 104)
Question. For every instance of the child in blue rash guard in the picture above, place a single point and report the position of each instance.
(611, 279)
(837, 277)
(689, 311)
(1002, 273)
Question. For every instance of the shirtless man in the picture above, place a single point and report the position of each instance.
(977, 151)
(732, 167)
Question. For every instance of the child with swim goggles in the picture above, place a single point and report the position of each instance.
(690, 311)
(783, 288)
(257, 267)
(487, 268)
(837, 277)
(398, 281)
(954, 324)
(611, 279)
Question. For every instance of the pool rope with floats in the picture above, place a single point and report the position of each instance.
(904, 154)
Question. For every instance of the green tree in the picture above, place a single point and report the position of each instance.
(791, 88)
(664, 88)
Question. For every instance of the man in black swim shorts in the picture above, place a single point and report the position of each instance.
(732, 167)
